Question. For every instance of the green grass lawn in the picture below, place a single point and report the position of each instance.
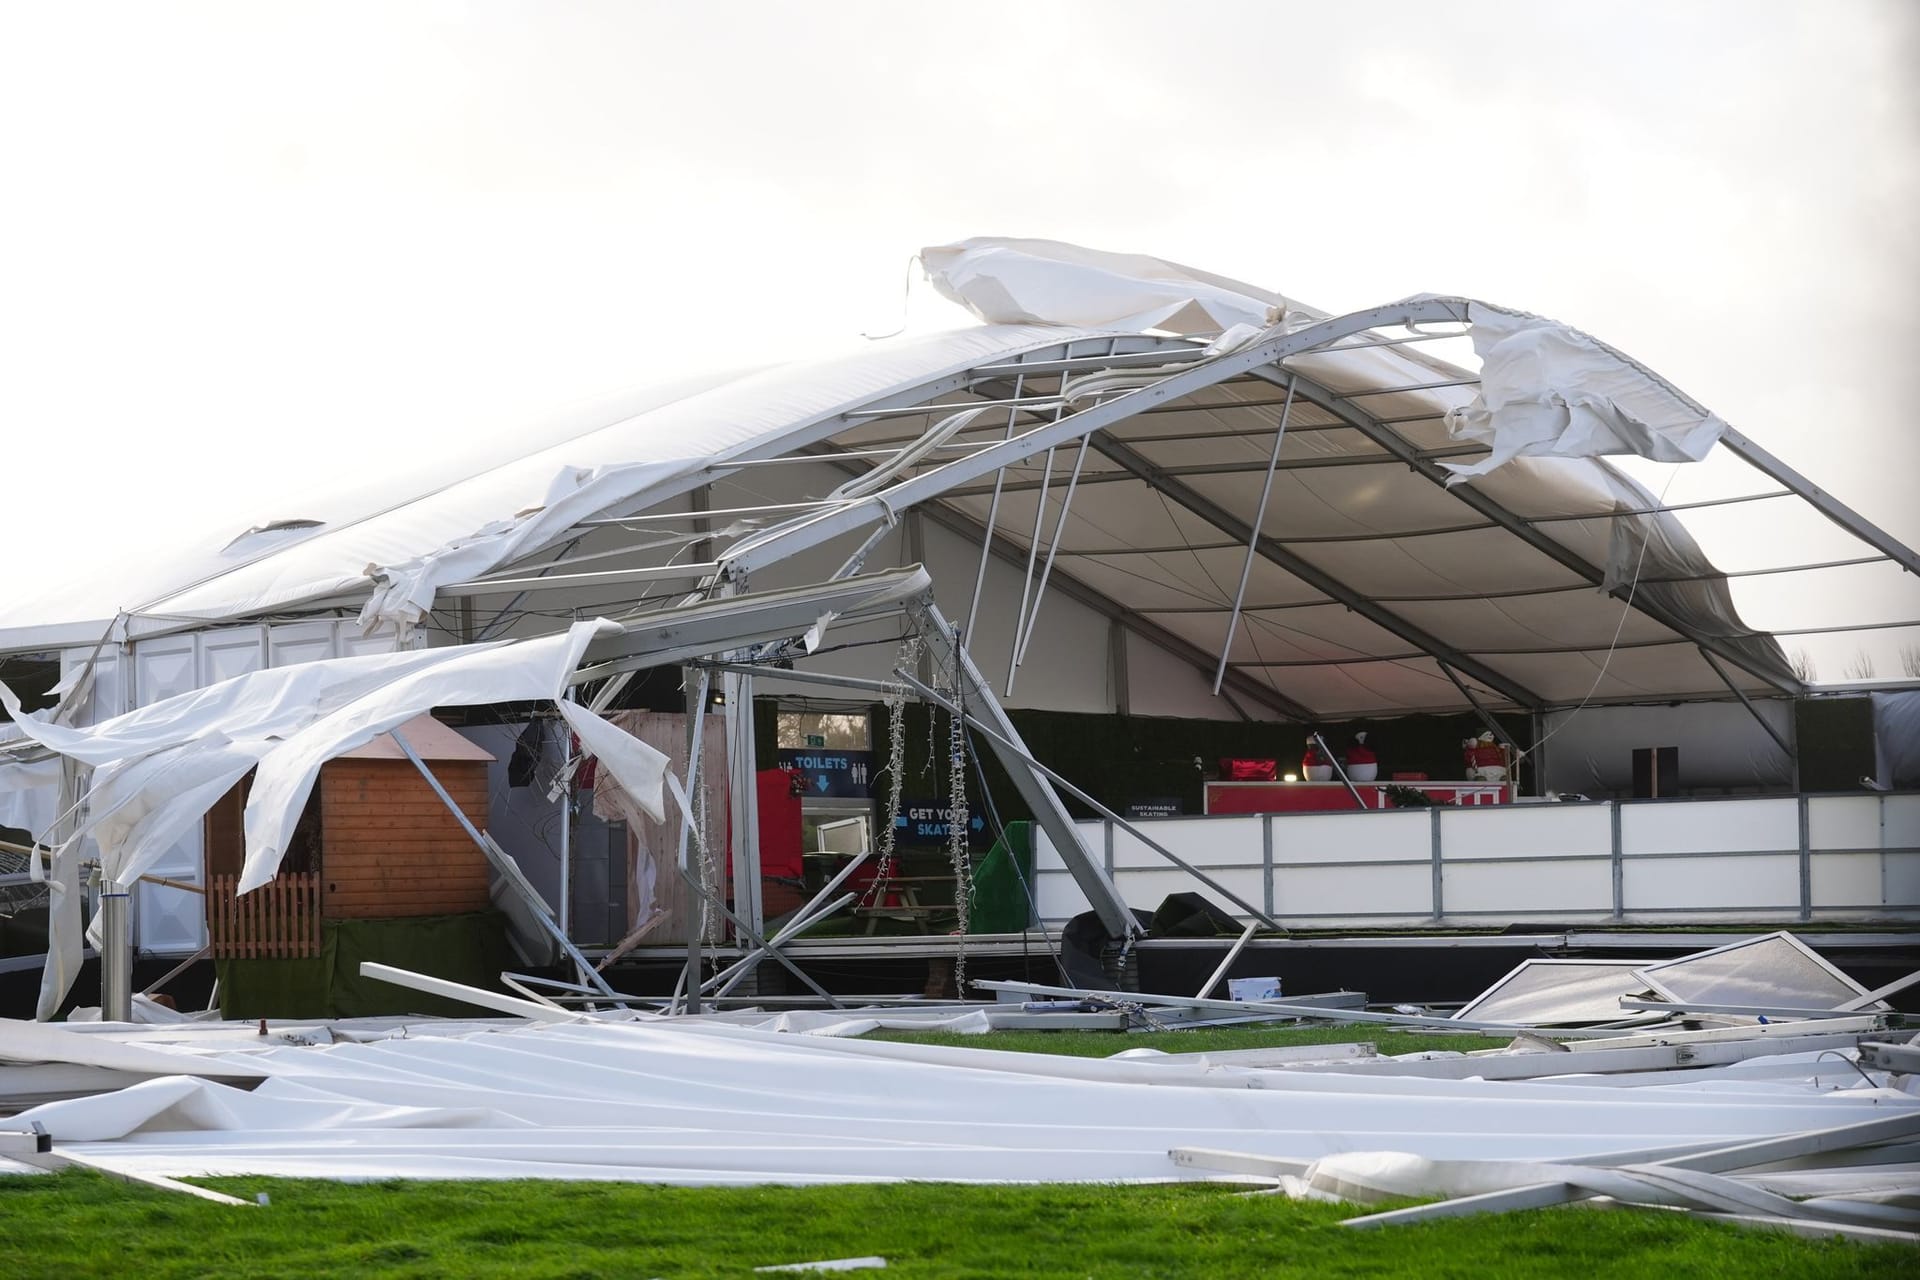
(1101, 1044)
(78, 1224)
(81, 1225)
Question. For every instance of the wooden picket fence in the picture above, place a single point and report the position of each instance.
(281, 919)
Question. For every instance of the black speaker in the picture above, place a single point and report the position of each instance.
(1656, 772)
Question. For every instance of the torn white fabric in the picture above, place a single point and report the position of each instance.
(157, 770)
(1546, 389)
(640, 770)
(405, 591)
(1012, 281)
(30, 796)
(716, 1104)
(528, 670)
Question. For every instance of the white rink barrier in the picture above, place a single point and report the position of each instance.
(1787, 858)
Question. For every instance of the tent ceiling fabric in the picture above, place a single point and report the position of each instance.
(1368, 567)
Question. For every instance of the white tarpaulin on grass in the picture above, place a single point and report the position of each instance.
(715, 1104)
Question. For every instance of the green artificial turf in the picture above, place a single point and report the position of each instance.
(78, 1224)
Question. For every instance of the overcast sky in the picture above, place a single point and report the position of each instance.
(255, 250)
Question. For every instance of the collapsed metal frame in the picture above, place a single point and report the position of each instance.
(1172, 370)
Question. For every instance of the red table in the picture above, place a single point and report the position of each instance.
(1310, 797)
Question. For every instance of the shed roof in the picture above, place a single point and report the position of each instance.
(429, 739)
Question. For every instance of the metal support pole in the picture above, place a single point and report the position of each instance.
(740, 927)
(1434, 840)
(587, 972)
(1011, 754)
(1823, 502)
(1619, 864)
(993, 512)
(696, 925)
(1752, 710)
(1053, 550)
(1026, 582)
(1253, 541)
(1266, 862)
(1334, 760)
(1806, 861)
(116, 955)
(566, 844)
(744, 793)
(1486, 717)
(1226, 962)
(1029, 777)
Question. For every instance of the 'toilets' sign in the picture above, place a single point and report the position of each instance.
(831, 773)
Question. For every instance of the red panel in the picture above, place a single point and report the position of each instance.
(779, 824)
(1321, 797)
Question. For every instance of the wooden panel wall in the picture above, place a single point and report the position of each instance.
(391, 847)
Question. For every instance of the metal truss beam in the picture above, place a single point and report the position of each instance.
(798, 535)
(1392, 441)
(969, 529)
(1107, 607)
(1319, 579)
(1022, 770)
(1822, 501)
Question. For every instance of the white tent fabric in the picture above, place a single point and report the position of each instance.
(714, 1104)
(1896, 732)
(440, 531)
(533, 669)
(159, 769)
(1050, 282)
(1547, 390)
(29, 795)
(1152, 550)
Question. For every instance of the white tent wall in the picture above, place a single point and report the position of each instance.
(1720, 745)
(1160, 684)
(168, 921)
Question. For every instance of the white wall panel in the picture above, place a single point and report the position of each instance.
(292, 643)
(1352, 837)
(1159, 684)
(108, 695)
(1205, 842)
(1527, 831)
(1144, 890)
(1846, 879)
(230, 652)
(163, 667)
(1058, 897)
(1900, 821)
(1353, 891)
(169, 921)
(1843, 822)
(1720, 826)
(1527, 888)
(1760, 882)
(1067, 662)
(1902, 875)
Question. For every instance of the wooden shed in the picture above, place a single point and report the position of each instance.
(374, 842)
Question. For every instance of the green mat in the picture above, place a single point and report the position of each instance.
(470, 949)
